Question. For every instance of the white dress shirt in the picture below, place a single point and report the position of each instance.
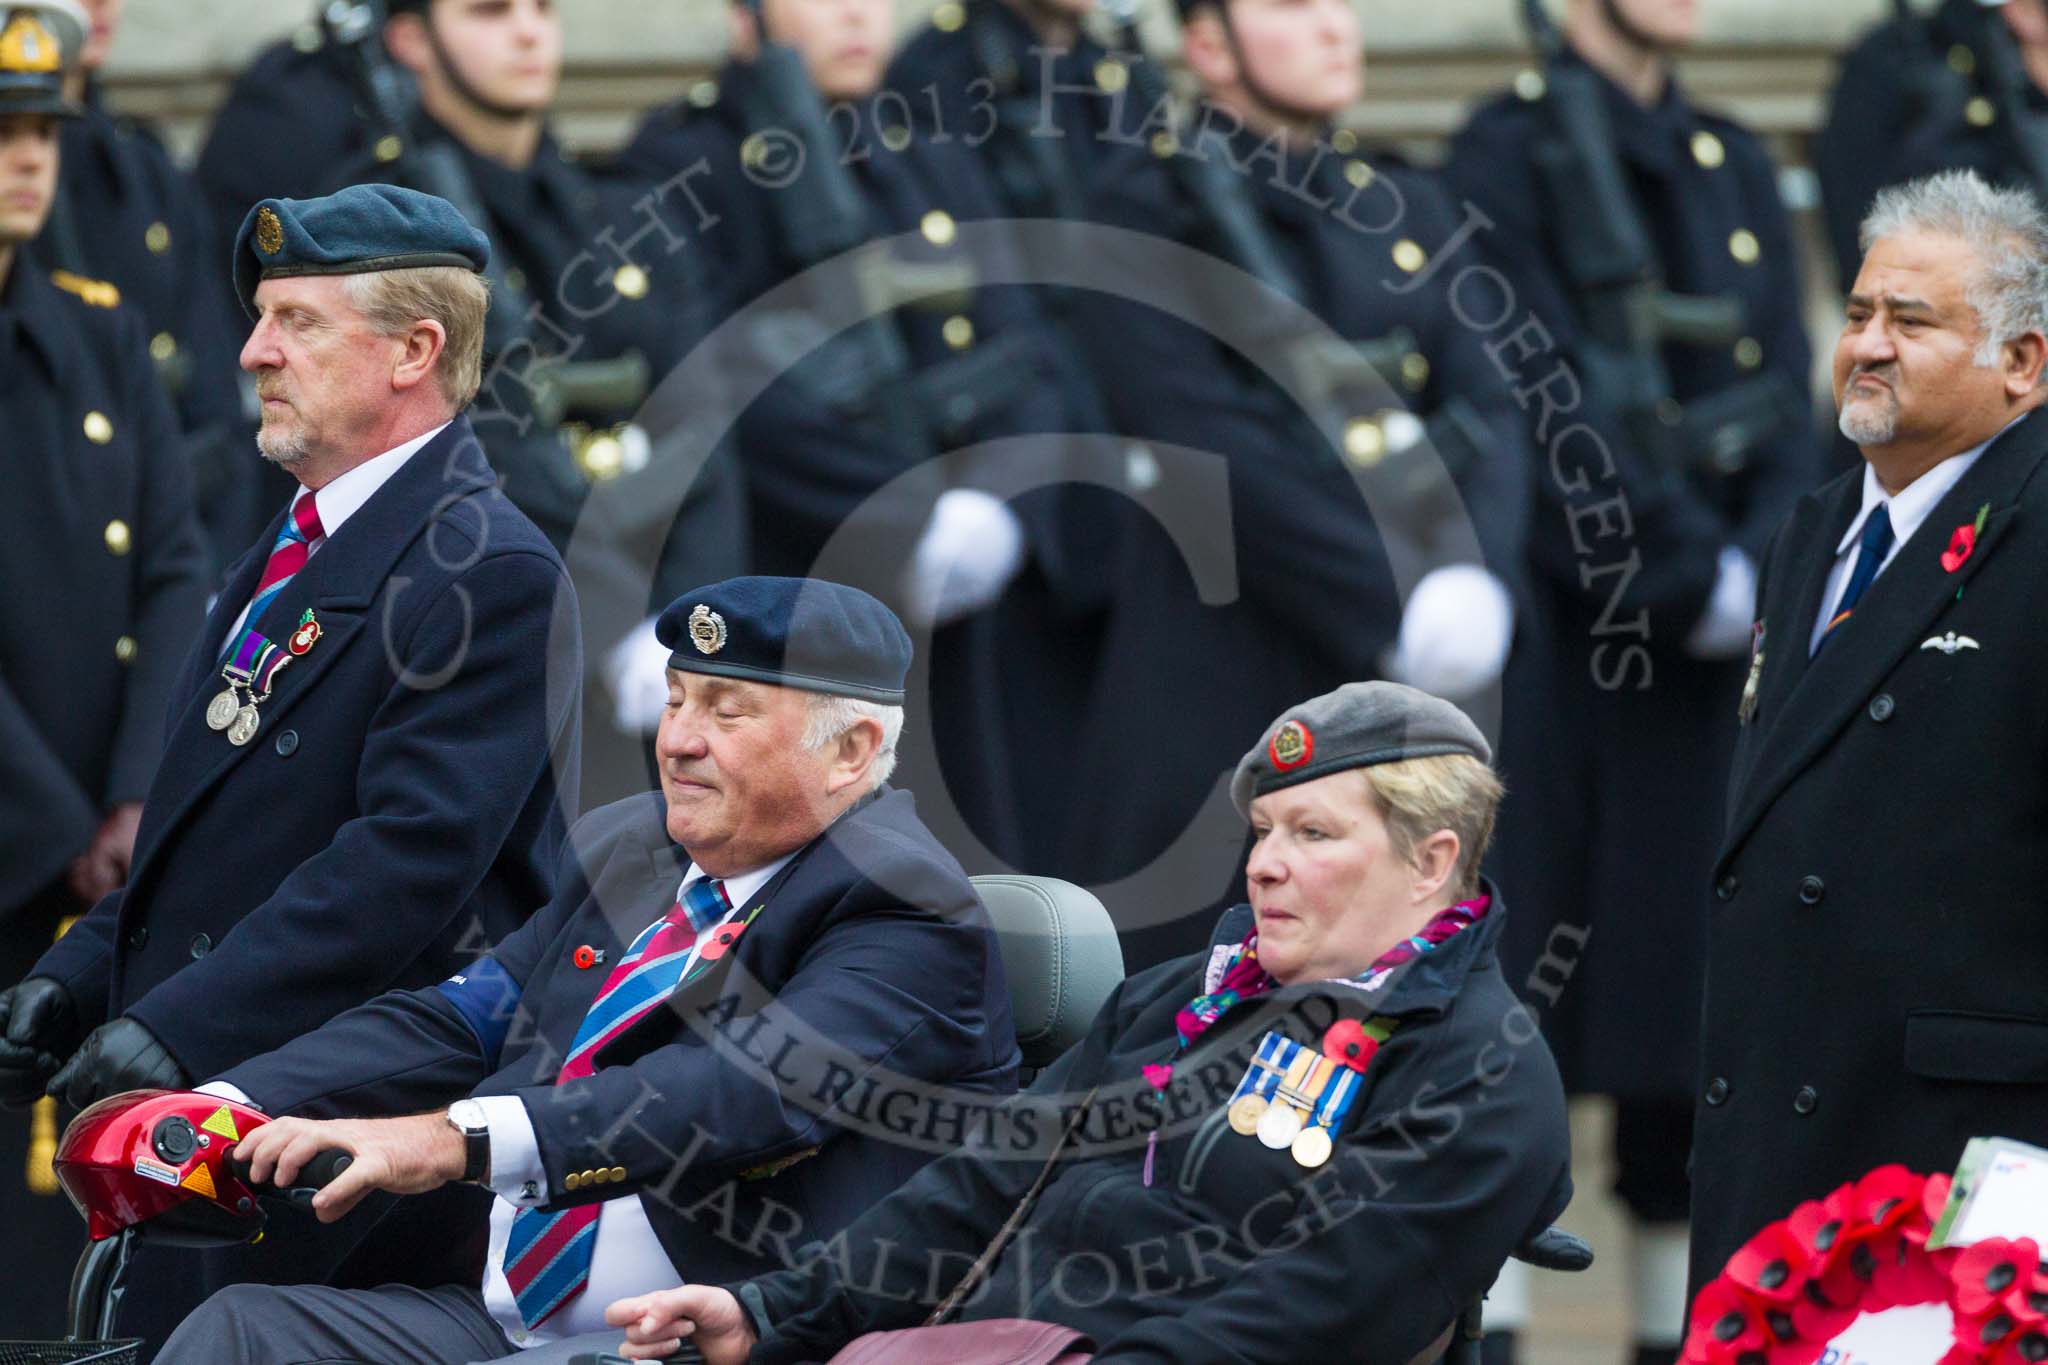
(1908, 507)
(342, 497)
(626, 1257)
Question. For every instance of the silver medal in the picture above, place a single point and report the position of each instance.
(220, 713)
(244, 728)
(1279, 1126)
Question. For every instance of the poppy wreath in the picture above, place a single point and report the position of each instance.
(1806, 1279)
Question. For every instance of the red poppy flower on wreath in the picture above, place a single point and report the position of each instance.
(1770, 1266)
(1822, 1228)
(1995, 1275)
(1726, 1328)
(726, 936)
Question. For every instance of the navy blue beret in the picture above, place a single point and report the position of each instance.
(354, 231)
(794, 632)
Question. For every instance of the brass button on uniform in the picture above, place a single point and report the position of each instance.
(618, 1174)
(572, 1181)
(704, 94)
(1365, 441)
(1717, 1092)
(1529, 85)
(388, 148)
(124, 649)
(1744, 247)
(1164, 145)
(1806, 1101)
(1409, 256)
(157, 237)
(1980, 112)
(948, 17)
(937, 227)
(1882, 706)
(630, 281)
(1111, 76)
(1749, 353)
(162, 347)
(118, 539)
(1344, 142)
(515, 279)
(98, 429)
(1707, 150)
(895, 136)
(1811, 890)
(1415, 371)
(1961, 60)
(958, 331)
(1358, 173)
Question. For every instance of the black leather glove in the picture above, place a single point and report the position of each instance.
(38, 1030)
(117, 1056)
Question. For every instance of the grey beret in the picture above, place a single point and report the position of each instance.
(1356, 726)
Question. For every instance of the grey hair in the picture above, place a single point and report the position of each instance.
(392, 301)
(832, 716)
(2007, 230)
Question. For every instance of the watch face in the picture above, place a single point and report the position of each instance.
(467, 1115)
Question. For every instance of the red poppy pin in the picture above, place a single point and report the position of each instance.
(1962, 542)
(1347, 1041)
(715, 947)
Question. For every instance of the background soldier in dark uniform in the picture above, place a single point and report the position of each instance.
(127, 215)
(1313, 585)
(856, 442)
(1618, 745)
(106, 587)
(1021, 82)
(1952, 89)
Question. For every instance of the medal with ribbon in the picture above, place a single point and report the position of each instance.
(1294, 1097)
(251, 668)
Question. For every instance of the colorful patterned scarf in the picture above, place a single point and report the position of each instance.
(1244, 979)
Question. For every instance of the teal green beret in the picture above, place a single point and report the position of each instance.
(354, 231)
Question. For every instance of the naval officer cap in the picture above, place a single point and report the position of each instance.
(353, 231)
(40, 42)
(1357, 726)
(793, 632)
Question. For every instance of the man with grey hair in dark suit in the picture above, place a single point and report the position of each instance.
(1877, 947)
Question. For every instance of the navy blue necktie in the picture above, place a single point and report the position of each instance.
(1870, 552)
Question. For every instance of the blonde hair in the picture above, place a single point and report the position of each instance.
(1416, 797)
(393, 300)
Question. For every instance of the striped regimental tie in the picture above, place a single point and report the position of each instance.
(547, 1257)
(296, 540)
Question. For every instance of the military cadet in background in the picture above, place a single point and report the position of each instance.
(126, 214)
(1655, 264)
(1963, 87)
(856, 444)
(1018, 80)
(1341, 377)
(106, 582)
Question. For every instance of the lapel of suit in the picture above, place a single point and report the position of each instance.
(1795, 596)
(201, 675)
(340, 583)
(1826, 691)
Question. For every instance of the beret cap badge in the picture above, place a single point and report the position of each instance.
(1292, 745)
(28, 46)
(269, 231)
(707, 630)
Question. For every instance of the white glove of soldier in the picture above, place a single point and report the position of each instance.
(970, 550)
(1455, 632)
(1723, 630)
(637, 671)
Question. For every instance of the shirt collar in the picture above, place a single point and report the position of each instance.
(342, 497)
(1911, 504)
(738, 888)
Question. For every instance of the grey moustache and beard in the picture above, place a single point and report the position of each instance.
(1871, 419)
(285, 449)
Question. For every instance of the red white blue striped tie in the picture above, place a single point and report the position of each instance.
(296, 540)
(547, 1257)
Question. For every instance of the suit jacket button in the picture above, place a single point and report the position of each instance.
(138, 937)
(1717, 1091)
(1806, 1101)
(1728, 886)
(201, 946)
(1811, 889)
(1882, 706)
(287, 743)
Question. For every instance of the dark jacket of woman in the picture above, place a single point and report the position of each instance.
(1204, 1244)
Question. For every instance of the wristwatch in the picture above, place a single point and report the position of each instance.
(468, 1119)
